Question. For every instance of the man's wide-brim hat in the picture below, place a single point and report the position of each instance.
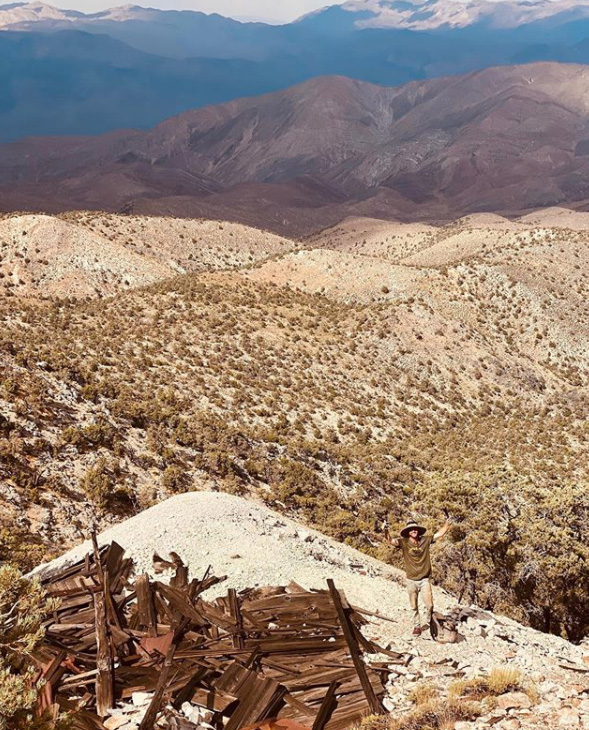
(413, 526)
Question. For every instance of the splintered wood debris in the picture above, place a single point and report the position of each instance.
(281, 657)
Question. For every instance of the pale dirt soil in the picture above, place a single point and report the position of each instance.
(95, 254)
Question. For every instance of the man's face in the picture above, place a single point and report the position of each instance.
(414, 534)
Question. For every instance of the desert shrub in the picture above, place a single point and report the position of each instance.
(295, 484)
(104, 487)
(516, 548)
(175, 479)
(143, 409)
(23, 608)
(102, 433)
(19, 547)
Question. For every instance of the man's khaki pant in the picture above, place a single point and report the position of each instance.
(422, 587)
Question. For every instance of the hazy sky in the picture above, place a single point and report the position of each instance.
(271, 10)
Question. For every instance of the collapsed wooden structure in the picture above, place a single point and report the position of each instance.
(264, 653)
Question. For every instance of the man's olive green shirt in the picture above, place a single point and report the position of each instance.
(416, 556)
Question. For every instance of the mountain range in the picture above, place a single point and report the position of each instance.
(506, 139)
(447, 14)
(65, 72)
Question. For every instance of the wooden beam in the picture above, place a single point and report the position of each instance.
(105, 682)
(97, 558)
(114, 554)
(156, 701)
(104, 659)
(145, 604)
(327, 708)
(234, 608)
(375, 704)
(185, 694)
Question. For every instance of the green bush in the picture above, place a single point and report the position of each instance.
(516, 548)
(97, 434)
(104, 487)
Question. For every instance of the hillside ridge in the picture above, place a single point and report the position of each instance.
(332, 148)
(334, 379)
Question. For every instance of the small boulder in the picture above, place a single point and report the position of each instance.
(514, 701)
(568, 717)
(115, 722)
(511, 724)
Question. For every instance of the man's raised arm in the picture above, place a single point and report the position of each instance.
(442, 531)
(394, 541)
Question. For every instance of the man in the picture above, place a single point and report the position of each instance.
(415, 545)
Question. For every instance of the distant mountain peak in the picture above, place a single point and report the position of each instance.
(433, 14)
(22, 13)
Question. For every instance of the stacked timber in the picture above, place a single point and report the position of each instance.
(280, 653)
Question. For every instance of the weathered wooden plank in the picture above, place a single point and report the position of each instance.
(146, 612)
(104, 660)
(104, 654)
(136, 679)
(322, 676)
(300, 707)
(234, 608)
(327, 707)
(113, 558)
(347, 717)
(297, 645)
(156, 701)
(180, 603)
(375, 704)
(189, 688)
(259, 698)
(180, 577)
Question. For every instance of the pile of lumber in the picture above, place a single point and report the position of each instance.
(266, 653)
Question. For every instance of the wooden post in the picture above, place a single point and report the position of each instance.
(104, 659)
(375, 704)
(235, 611)
(145, 604)
(105, 682)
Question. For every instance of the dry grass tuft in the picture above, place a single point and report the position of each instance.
(424, 692)
(499, 681)
(466, 701)
(433, 714)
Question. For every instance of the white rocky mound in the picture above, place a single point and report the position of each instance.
(254, 545)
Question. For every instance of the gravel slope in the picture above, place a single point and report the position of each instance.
(252, 545)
